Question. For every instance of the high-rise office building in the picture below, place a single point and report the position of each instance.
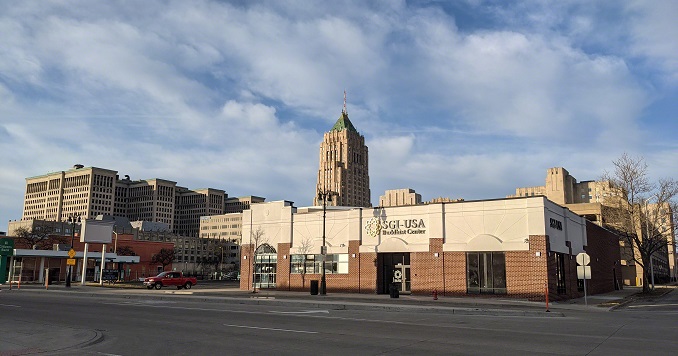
(344, 168)
(91, 191)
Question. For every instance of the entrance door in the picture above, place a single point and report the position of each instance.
(393, 268)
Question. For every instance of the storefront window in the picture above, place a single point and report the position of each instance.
(486, 273)
(265, 263)
(334, 263)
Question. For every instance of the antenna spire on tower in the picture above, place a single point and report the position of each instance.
(344, 110)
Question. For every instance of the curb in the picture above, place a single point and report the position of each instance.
(334, 305)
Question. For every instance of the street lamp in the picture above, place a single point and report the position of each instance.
(72, 219)
(324, 195)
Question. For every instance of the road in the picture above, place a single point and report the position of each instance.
(109, 325)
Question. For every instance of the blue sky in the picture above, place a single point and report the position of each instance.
(460, 99)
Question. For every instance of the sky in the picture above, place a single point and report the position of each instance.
(461, 99)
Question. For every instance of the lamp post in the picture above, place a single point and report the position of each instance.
(72, 219)
(324, 195)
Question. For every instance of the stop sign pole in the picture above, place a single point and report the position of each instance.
(583, 259)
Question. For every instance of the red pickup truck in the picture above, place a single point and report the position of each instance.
(170, 279)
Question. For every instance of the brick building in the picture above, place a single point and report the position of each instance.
(509, 247)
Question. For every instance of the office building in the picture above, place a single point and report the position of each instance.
(344, 168)
(90, 191)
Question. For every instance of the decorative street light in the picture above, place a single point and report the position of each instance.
(72, 219)
(324, 196)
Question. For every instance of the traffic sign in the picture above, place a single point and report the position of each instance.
(6, 246)
(583, 272)
(71, 253)
(583, 259)
(70, 261)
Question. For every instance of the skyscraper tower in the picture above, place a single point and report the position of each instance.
(344, 165)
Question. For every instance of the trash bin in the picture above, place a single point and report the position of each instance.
(393, 290)
(314, 287)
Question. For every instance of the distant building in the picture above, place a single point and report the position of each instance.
(237, 205)
(92, 191)
(591, 199)
(399, 197)
(344, 167)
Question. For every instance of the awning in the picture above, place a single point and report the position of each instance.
(110, 256)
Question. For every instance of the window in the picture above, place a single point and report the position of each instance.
(560, 273)
(486, 273)
(334, 263)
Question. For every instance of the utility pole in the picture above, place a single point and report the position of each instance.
(324, 195)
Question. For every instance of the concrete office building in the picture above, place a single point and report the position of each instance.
(223, 227)
(54, 196)
(512, 247)
(228, 226)
(344, 167)
(192, 204)
(237, 205)
(399, 197)
(591, 199)
(92, 191)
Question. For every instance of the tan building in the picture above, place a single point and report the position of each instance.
(588, 199)
(237, 205)
(86, 191)
(223, 227)
(192, 204)
(91, 191)
(228, 226)
(399, 197)
(344, 167)
(508, 247)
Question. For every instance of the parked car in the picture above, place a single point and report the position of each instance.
(232, 276)
(170, 279)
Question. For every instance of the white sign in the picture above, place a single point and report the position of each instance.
(583, 271)
(97, 231)
(583, 259)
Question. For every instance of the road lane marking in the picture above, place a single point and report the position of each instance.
(10, 305)
(301, 312)
(652, 305)
(272, 329)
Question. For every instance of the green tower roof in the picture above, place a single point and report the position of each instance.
(343, 123)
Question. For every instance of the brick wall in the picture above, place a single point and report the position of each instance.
(603, 248)
(455, 274)
(368, 272)
(282, 273)
(526, 272)
(426, 269)
(246, 267)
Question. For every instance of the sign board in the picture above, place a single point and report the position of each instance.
(6, 246)
(109, 275)
(70, 262)
(97, 231)
(583, 259)
(583, 271)
(71, 253)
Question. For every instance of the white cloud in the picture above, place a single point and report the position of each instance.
(654, 30)
(236, 95)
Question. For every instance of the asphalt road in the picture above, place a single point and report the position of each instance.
(106, 325)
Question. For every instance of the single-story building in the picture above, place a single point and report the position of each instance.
(515, 247)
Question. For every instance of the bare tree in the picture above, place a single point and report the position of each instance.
(165, 257)
(39, 237)
(305, 246)
(126, 251)
(641, 211)
(257, 240)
